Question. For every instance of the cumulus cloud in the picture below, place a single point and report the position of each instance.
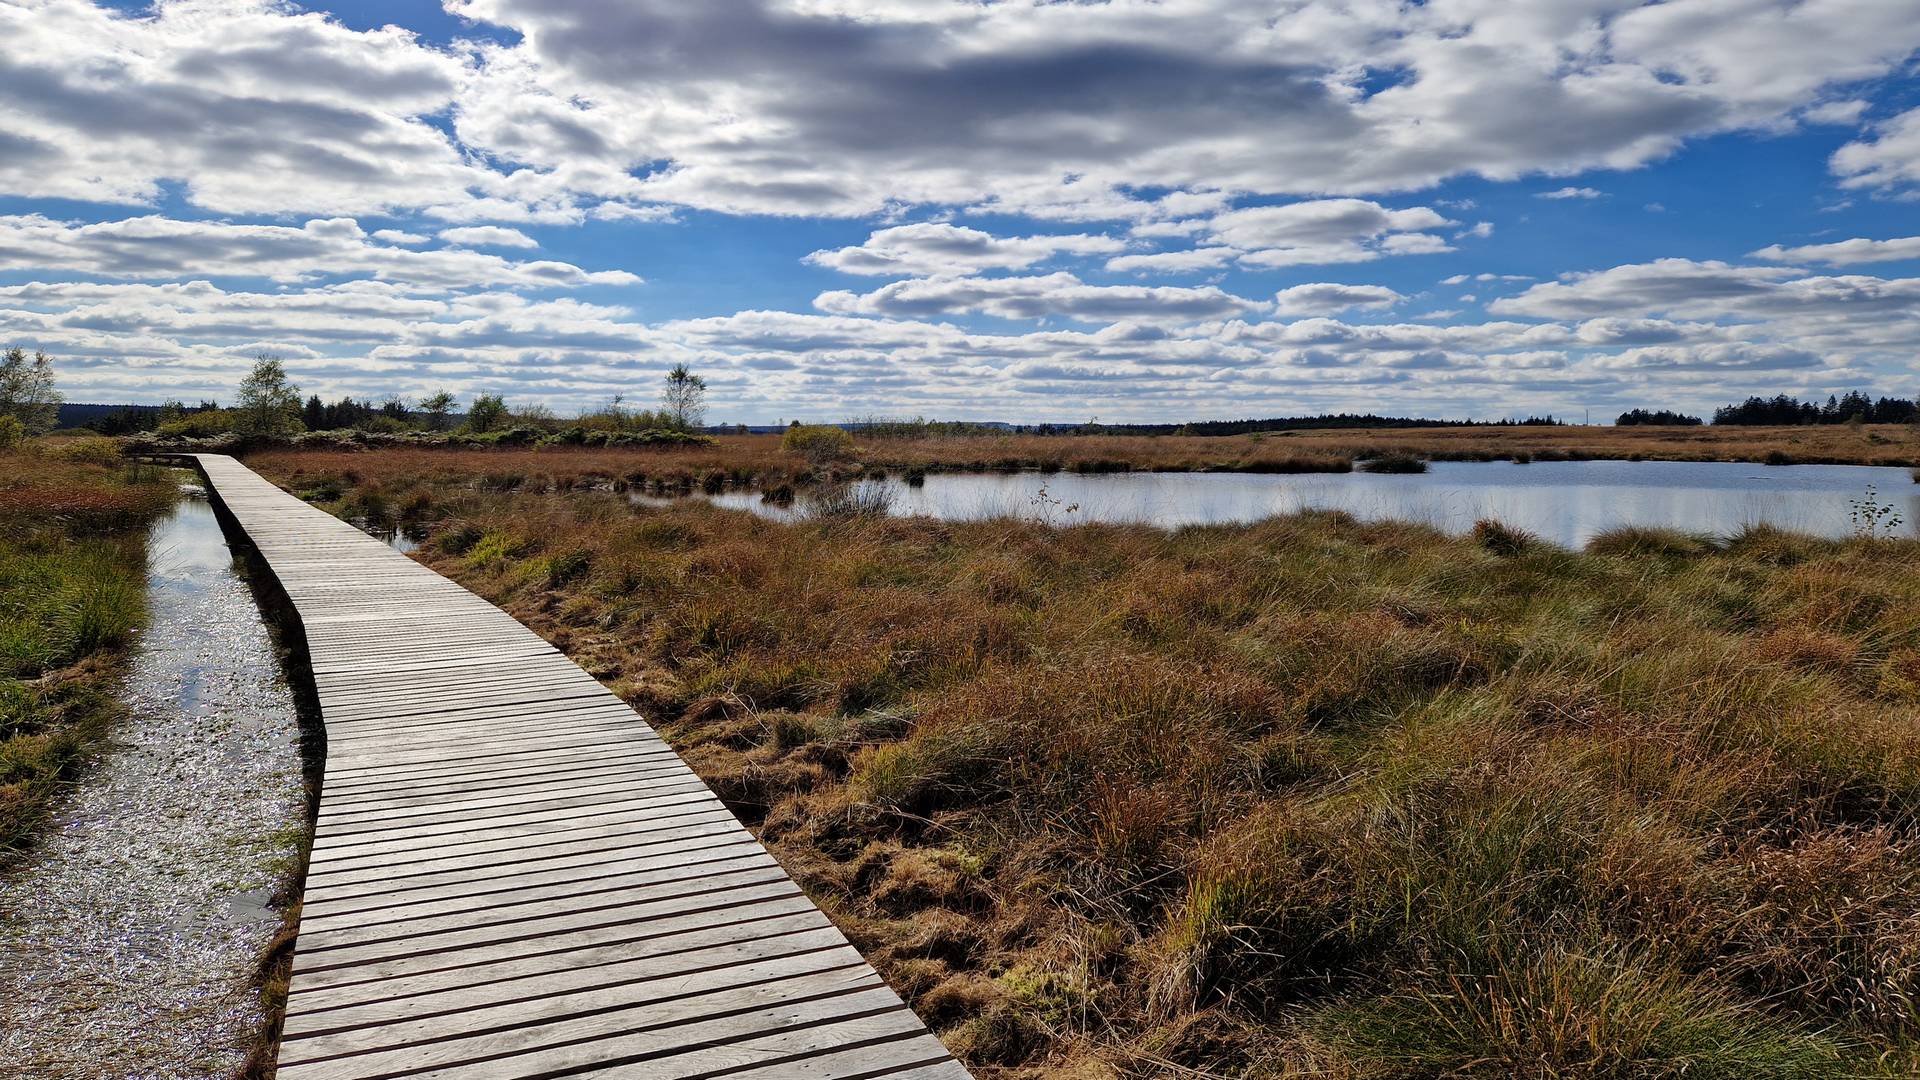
(488, 236)
(1327, 231)
(936, 248)
(161, 247)
(1326, 298)
(1845, 252)
(1724, 356)
(1659, 286)
(1207, 125)
(253, 106)
(1616, 331)
(1891, 159)
(1187, 261)
(827, 107)
(1052, 295)
(1571, 193)
(120, 339)
(1847, 111)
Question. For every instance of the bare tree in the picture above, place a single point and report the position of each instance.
(685, 398)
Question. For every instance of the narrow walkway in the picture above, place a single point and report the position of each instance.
(513, 876)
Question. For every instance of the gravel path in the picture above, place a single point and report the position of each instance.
(129, 938)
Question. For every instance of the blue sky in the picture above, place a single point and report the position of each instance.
(1022, 211)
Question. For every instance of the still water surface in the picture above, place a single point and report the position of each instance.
(130, 935)
(1567, 502)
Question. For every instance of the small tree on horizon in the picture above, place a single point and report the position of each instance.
(436, 409)
(685, 398)
(487, 413)
(269, 403)
(27, 392)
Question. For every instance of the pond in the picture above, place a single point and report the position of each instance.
(1567, 502)
(130, 936)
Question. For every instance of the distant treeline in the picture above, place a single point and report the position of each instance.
(1785, 409)
(347, 413)
(318, 415)
(1656, 418)
(1286, 423)
(124, 419)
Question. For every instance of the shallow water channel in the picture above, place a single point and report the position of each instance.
(129, 937)
(1567, 502)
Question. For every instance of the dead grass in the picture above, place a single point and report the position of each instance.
(1308, 797)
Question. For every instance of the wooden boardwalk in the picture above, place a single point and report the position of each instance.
(513, 876)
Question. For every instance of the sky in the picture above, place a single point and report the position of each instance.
(1132, 210)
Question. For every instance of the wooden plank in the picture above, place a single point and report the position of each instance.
(512, 875)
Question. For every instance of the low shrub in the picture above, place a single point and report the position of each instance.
(1394, 463)
(819, 444)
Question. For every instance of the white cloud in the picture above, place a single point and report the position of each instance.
(1835, 112)
(1327, 231)
(146, 341)
(928, 249)
(1725, 356)
(826, 107)
(1891, 159)
(1615, 331)
(1158, 117)
(1845, 252)
(160, 247)
(616, 211)
(1173, 262)
(822, 107)
(1571, 193)
(487, 236)
(1327, 298)
(1659, 286)
(252, 106)
(1051, 295)
(1783, 311)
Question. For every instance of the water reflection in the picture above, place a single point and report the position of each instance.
(1567, 502)
(403, 538)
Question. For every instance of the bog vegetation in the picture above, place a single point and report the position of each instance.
(1308, 797)
(72, 592)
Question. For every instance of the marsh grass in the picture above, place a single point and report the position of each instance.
(760, 461)
(72, 594)
(1304, 797)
